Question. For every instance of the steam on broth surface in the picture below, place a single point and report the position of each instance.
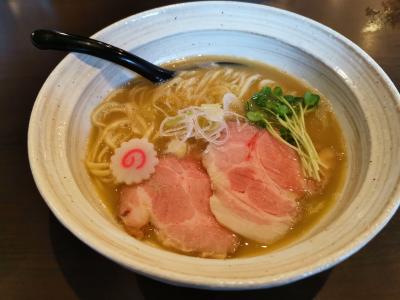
(138, 109)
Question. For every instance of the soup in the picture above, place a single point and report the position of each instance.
(196, 194)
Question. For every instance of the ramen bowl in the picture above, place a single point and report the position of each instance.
(363, 97)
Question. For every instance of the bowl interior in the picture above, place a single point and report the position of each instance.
(326, 61)
(232, 43)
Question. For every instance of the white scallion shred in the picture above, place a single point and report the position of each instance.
(206, 121)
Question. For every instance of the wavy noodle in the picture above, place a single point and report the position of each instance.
(139, 113)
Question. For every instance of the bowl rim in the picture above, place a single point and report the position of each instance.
(173, 277)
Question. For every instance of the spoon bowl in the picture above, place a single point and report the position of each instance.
(56, 40)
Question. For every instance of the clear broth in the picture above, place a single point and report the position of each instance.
(321, 125)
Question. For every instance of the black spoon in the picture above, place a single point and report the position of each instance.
(56, 40)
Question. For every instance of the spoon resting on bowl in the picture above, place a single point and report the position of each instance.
(56, 40)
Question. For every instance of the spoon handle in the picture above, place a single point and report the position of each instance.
(55, 40)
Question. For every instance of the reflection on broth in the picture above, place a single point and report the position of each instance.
(198, 194)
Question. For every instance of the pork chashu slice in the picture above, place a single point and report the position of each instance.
(176, 201)
(256, 182)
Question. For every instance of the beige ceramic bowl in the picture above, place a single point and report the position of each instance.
(364, 99)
